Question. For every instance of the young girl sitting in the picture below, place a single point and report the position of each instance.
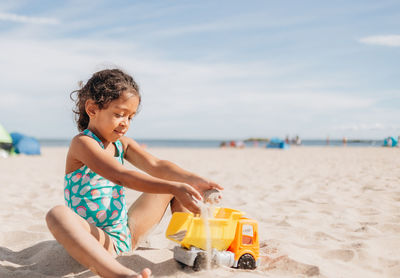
(95, 225)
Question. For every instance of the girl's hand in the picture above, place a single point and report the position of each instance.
(187, 196)
(202, 185)
(212, 196)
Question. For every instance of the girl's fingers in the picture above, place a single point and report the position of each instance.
(213, 185)
(196, 194)
(192, 206)
(212, 196)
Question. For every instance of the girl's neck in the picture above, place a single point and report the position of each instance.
(103, 140)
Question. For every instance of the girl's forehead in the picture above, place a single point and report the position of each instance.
(127, 95)
(126, 101)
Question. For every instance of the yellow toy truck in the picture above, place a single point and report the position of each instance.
(233, 239)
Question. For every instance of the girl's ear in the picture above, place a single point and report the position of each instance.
(91, 108)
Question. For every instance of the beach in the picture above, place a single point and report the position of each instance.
(322, 212)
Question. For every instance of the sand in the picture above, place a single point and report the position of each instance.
(322, 212)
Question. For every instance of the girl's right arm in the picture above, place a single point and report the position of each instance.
(87, 151)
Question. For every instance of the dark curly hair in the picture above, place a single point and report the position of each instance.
(103, 87)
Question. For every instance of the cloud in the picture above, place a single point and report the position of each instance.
(214, 97)
(386, 40)
(367, 127)
(27, 19)
(361, 126)
(240, 22)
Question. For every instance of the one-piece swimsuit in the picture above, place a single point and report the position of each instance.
(100, 201)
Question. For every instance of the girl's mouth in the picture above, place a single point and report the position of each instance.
(120, 133)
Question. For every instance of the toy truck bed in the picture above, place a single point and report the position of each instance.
(189, 230)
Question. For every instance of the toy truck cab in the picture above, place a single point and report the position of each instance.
(245, 245)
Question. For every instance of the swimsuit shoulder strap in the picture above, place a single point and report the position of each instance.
(91, 134)
(117, 143)
(120, 149)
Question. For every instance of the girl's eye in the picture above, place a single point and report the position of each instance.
(119, 115)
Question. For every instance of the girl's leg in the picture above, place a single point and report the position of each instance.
(86, 243)
(147, 211)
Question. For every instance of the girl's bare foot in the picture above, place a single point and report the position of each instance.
(146, 273)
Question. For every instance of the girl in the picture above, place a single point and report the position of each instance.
(95, 226)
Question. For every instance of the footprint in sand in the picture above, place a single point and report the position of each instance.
(324, 236)
(392, 267)
(273, 261)
(345, 255)
(283, 223)
(369, 211)
(390, 227)
(287, 266)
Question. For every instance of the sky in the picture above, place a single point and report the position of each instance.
(208, 69)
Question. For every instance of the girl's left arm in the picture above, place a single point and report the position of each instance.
(163, 169)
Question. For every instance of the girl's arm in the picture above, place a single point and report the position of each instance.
(86, 150)
(163, 169)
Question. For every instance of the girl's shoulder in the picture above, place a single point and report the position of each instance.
(73, 160)
(81, 142)
(82, 139)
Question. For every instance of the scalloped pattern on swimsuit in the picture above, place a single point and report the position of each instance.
(100, 201)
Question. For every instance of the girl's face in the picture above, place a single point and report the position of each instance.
(112, 122)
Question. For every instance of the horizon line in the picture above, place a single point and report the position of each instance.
(243, 139)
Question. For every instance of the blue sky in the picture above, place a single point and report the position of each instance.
(208, 69)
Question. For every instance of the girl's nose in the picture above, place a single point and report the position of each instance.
(125, 122)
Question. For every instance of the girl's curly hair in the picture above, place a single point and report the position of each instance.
(103, 87)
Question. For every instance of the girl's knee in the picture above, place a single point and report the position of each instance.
(55, 214)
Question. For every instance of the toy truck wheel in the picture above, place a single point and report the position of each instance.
(181, 265)
(200, 262)
(246, 261)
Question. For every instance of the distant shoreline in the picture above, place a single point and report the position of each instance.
(214, 143)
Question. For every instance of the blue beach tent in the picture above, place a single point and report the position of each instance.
(390, 142)
(25, 144)
(276, 143)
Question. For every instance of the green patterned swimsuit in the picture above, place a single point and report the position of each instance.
(100, 201)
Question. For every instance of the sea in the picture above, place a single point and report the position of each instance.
(214, 143)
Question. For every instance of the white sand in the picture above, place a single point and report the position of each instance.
(322, 212)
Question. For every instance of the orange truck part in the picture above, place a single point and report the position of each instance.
(246, 241)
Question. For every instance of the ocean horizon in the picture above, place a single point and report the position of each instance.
(215, 143)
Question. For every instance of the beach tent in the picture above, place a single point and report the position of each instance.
(390, 142)
(276, 143)
(25, 144)
(5, 140)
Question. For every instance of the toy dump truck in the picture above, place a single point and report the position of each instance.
(233, 239)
